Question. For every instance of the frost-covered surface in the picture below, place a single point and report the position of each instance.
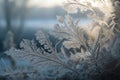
(95, 47)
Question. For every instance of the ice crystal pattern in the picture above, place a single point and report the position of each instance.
(97, 49)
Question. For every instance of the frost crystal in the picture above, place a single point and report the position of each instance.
(91, 48)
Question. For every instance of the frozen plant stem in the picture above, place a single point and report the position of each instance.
(58, 62)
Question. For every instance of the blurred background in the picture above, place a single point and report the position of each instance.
(22, 18)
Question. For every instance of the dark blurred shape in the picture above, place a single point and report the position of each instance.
(12, 10)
